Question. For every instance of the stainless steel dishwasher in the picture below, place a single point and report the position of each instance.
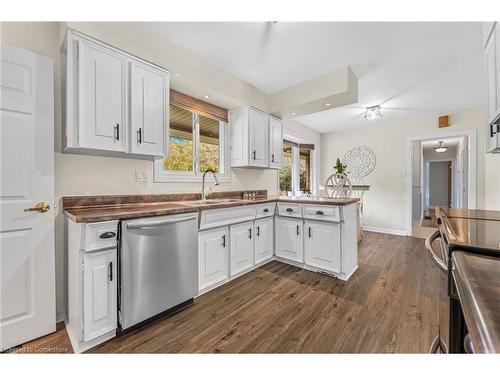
(158, 267)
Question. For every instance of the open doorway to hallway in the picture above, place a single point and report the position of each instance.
(440, 171)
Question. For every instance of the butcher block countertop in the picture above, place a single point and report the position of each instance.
(478, 284)
(88, 209)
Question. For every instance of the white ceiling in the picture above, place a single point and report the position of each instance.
(410, 69)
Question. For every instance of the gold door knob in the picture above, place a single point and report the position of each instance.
(41, 207)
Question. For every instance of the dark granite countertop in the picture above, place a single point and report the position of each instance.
(102, 208)
(478, 284)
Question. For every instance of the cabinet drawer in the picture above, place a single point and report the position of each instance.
(289, 209)
(224, 216)
(322, 212)
(100, 235)
(265, 210)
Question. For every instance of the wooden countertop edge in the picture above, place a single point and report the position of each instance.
(150, 210)
(476, 322)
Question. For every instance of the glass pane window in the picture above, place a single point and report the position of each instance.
(180, 142)
(209, 144)
(286, 170)
(305, 170)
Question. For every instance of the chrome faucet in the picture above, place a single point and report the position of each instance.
(216, 182)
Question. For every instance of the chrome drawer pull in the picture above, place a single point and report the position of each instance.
(289, 209)
(319, 212)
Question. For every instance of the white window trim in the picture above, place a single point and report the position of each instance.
(161, 175)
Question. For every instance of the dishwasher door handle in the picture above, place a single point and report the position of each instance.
(148, 224)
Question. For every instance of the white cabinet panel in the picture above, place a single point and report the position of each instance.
(148, 116)
(492, 86)
(322, 245)
(259, 130)
(264, 239)
(212, 256)
(275, 143)
(99, 293)
(102, 95)
(289, 239)
(242, 247)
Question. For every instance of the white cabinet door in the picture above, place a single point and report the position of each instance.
(99, 293)
(275, 143)
(148, 109)
(264, 239)
(102, 97)
(322, 245)
(242, 247)
(259, 129)
(212, 256)
(289, 239)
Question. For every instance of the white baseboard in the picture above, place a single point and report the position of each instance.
(61, 315)
(386, 231)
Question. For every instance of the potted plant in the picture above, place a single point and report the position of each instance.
(339, 167)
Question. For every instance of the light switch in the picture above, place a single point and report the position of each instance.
(141, 176)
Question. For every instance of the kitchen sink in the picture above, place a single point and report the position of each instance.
(211, 201)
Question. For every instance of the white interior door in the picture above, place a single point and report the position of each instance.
(27, 283)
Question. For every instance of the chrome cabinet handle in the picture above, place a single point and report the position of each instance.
(266, 209)
(289, 209)
(258, 231)
(272, 158)
(319, 212)
(298, 230)
(250, 233)
(223, 240)
(254, 154)
(309, 232)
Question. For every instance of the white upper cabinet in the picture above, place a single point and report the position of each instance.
(275, 143)
(255, 138)
(148, 112)
(102, 96)
(492, 85)
(116, 104)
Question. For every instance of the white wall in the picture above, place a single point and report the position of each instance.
(84, 175)
(492, 182)
(387, 202)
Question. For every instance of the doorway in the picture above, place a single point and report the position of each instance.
(440, 177)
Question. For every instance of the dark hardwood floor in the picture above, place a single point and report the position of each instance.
(388, 306)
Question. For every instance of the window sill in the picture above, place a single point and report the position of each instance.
(162, 176)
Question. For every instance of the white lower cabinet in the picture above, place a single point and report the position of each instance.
(242, 247)
(264, 239)
(322, 245)
(289, 239)
(212, 256)
(99, 293)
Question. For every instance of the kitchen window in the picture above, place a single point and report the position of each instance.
(196, 142)
(297, 174)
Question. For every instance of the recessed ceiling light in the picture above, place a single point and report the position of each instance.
(294, 113)
(328, 104)
(207, 97)
(373, 112)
